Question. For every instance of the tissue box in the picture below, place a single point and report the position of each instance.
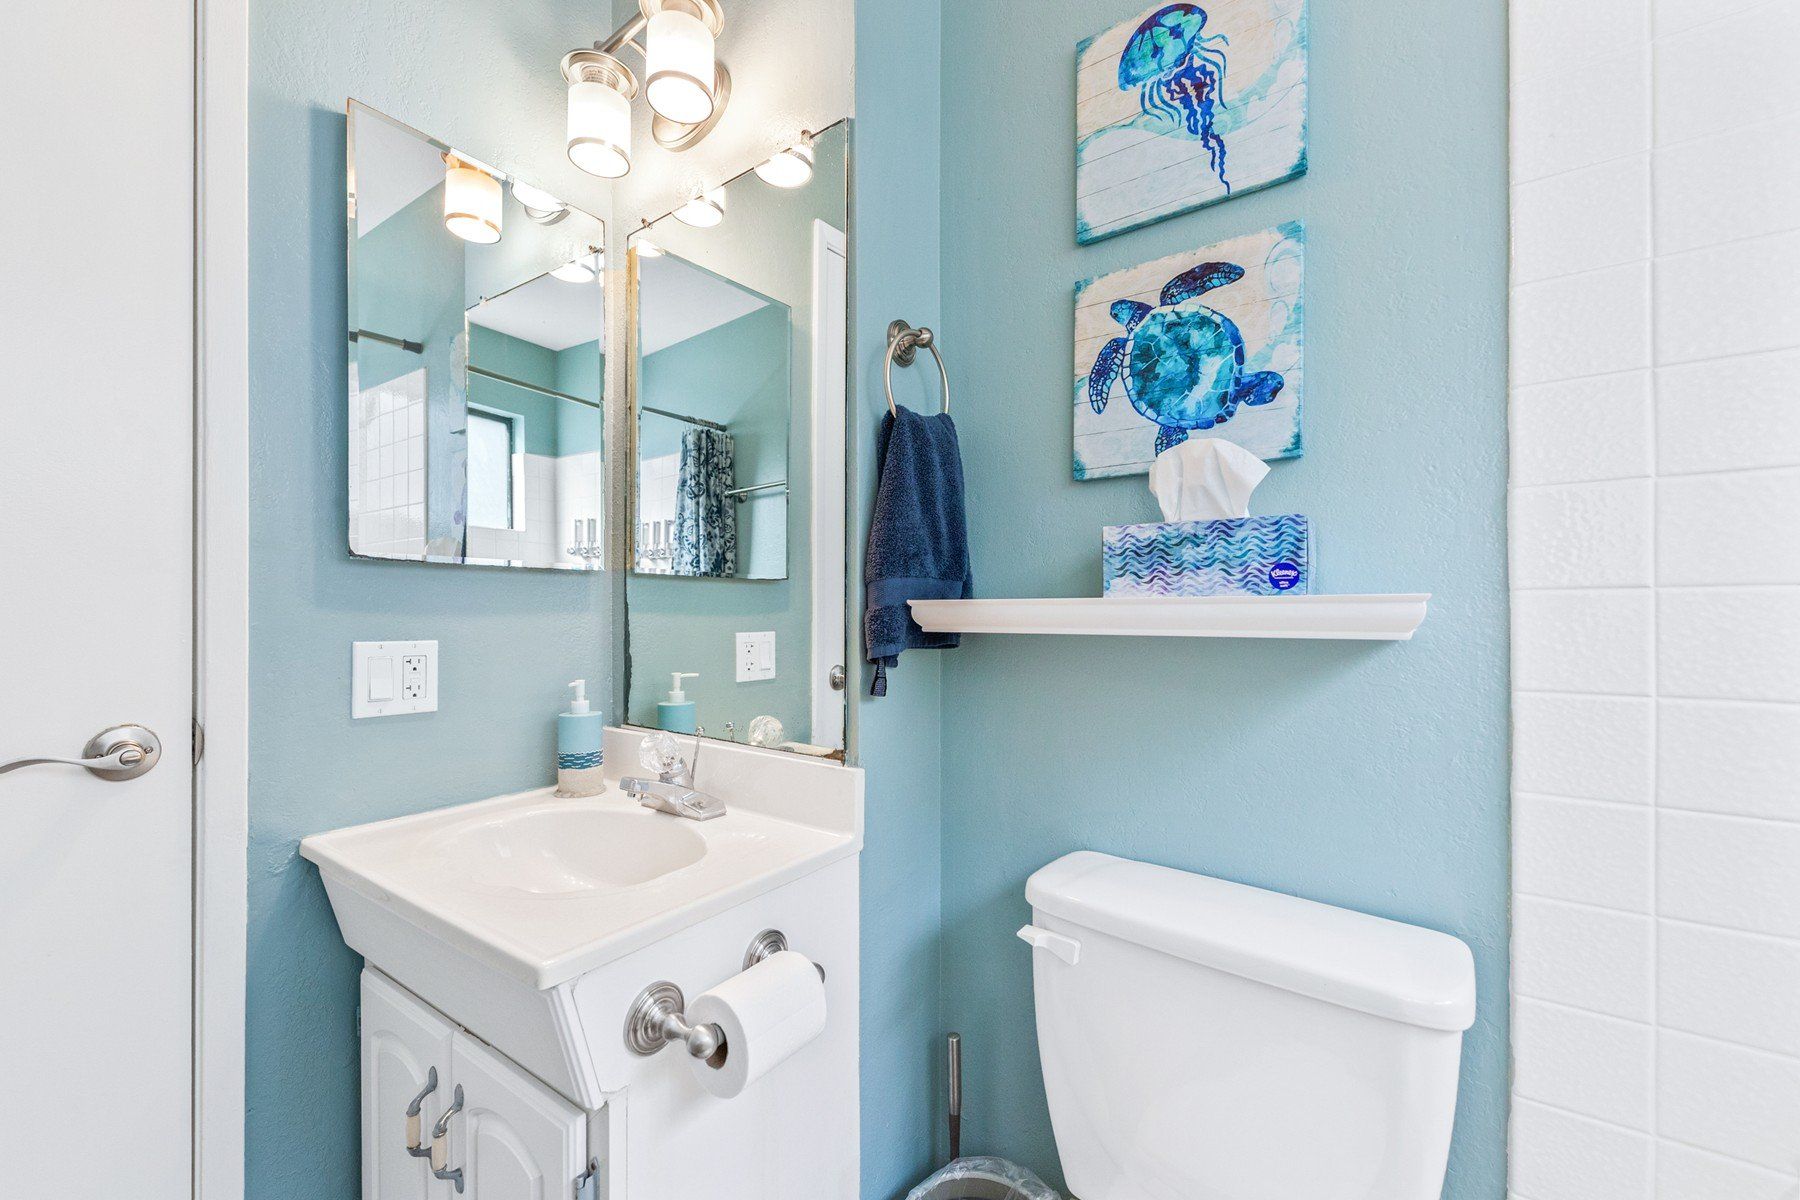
(1242, 556)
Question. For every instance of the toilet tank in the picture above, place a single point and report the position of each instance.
(1205, 1040)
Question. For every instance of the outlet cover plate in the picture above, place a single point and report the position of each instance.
(390, 678)
(755, 657)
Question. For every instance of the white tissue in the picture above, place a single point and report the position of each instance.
(1205, 479)
(766, 1013)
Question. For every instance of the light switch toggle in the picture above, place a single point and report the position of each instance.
(381, 680)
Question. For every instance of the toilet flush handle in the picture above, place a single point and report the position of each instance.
(1065, 948)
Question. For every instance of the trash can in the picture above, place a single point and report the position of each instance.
(983, 1179)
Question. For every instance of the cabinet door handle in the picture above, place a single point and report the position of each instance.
(440, 1142)
(414, 1137)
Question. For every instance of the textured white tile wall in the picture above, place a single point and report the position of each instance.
(387, 467)
(1655, 534)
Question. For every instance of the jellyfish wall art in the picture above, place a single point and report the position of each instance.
(1202, 344)
(1184, 105)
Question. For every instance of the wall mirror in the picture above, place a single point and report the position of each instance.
(477, 317)
(737, 477)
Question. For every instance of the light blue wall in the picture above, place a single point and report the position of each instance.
(474, 74)
(894, 273)
(1372, 776)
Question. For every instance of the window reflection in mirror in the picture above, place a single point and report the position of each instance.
(738, 478)
(475, 406)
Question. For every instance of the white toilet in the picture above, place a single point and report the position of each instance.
(1204, 1040)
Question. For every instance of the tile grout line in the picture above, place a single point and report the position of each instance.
(1655, 796)
(1653, 1138)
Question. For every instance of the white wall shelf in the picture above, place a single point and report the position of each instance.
(1353, 618)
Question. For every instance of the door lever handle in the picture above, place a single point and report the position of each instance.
(119, 753)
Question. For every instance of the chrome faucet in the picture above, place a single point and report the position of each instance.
(673, 790)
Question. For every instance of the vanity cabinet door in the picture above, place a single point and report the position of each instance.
(519, 1140)
(403, 1041)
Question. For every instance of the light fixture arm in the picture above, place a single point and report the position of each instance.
(625, 35)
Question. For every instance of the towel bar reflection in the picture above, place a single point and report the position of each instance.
(902, 347)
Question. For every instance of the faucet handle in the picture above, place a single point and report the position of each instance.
(659, 753)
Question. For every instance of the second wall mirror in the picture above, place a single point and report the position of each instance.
(737, 482)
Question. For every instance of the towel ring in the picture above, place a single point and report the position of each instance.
(902, 348)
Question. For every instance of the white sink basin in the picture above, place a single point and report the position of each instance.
(553, 849)
(546, 889)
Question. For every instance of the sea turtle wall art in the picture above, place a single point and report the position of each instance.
(1202, 344)
(1187, 104)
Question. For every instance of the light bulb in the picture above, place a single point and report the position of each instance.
(599, 129)
(703, 211)
(679, 57)
(585, 269)
(789, 168)
(472, 202)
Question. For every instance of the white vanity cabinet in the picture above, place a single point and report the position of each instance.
(512, 1139)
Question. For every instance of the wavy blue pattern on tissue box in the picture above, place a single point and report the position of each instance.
(1241, 556)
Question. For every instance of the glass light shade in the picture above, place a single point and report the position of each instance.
(599, 129)
(703, 211)
(647, 248)
(536, 198)
(678, 56)
(472, 203)
(585, 269)
(789, 168)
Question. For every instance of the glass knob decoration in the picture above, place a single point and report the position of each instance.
(659, 753)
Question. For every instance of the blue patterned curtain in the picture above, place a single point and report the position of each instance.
(705, 517)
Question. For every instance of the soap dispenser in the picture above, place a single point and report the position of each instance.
(579, 752)
(676, 714)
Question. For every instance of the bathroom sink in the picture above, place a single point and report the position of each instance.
(545, 888)
(555, 850)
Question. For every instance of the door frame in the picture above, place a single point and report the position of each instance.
(221, 589)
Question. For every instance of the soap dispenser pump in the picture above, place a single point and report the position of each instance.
(580, 754)
(676, 714)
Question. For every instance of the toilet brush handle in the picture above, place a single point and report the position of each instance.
(955, 1073)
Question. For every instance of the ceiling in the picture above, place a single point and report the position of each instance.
(547, 312)
(678, 300)
(410, 166)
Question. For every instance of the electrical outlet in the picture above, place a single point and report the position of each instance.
(755, 657)
(389, 678)
(414, 673)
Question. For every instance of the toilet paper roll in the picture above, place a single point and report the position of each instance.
(766, 1014)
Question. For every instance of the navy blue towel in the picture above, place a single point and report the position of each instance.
(918, 540)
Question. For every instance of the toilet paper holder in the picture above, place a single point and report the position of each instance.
(657, 1018)
(659, 1014)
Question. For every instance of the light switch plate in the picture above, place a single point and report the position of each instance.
(755, 657)
(405, 673)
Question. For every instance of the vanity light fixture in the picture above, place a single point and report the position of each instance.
(585, 269)
(789, 168)
(538, 204)
(686, 85)
(472, 201)
(703, 211)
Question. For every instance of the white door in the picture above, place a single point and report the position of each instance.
(830, 296)
(515, 1139)
(96, 597)
(406, 1086)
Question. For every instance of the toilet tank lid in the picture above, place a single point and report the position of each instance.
(1337, 955)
